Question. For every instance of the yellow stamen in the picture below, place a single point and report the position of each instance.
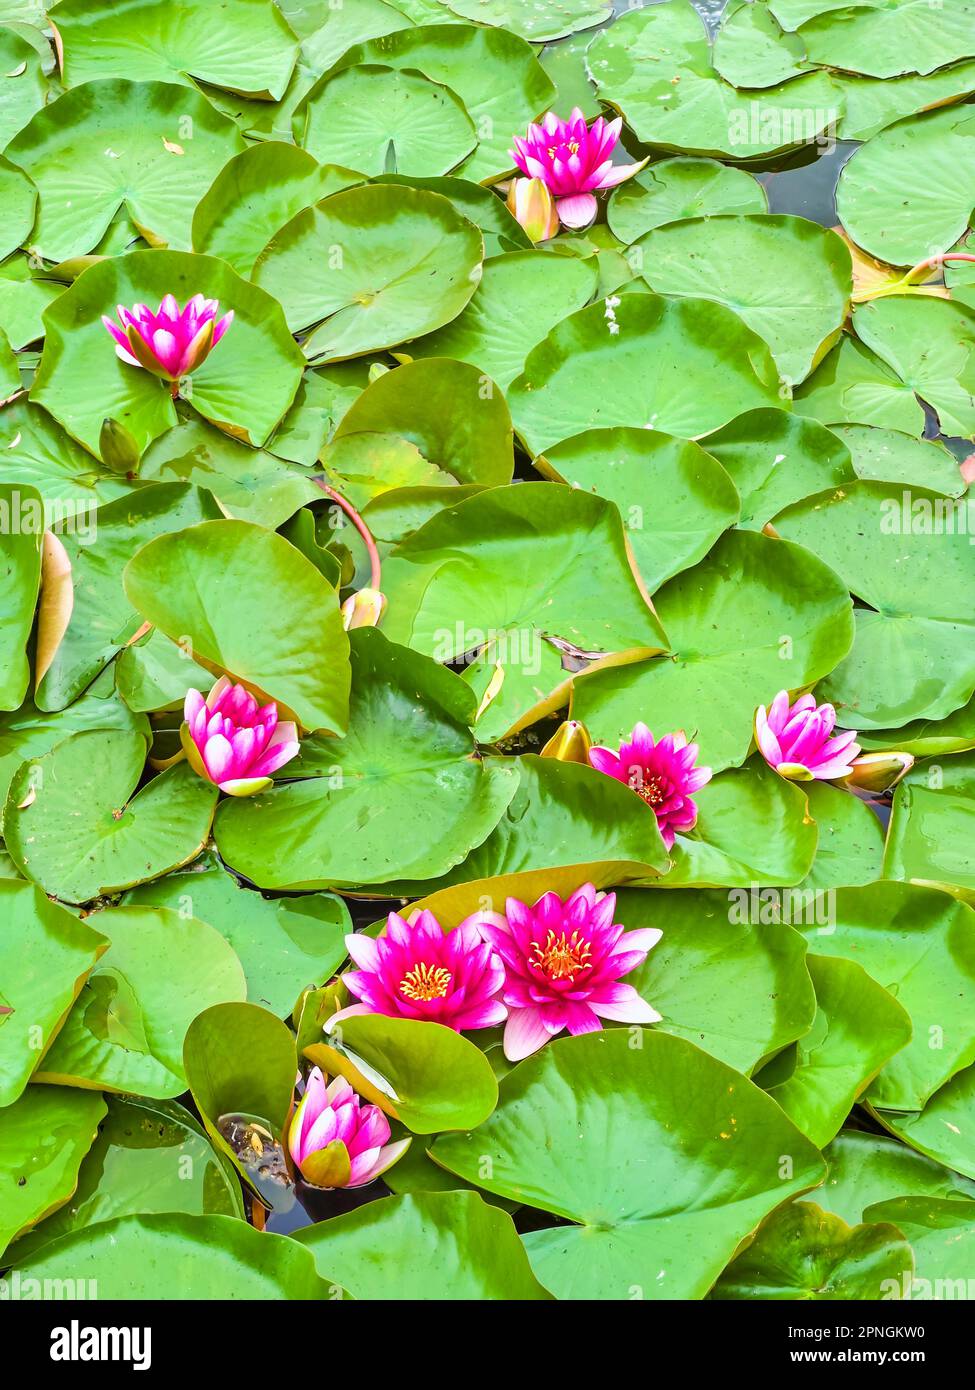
(561, 957)
(425, 982)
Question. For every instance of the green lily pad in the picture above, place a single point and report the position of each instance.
(753, 828)
(853, 386)
(376, 119)
(873, 103)
(635, 61)
(19, 198)
(408, 759)
(677, 189)
(255, 194)
(239, 1059)
(888, 40)
(540, 23)
(789, 280)
(891, 456)
(775, 459)
(81, 380)
(357, 268)
(449, 410)
(803, 1252)
(564, 820)
(421, 1073)
(909, 191)
(522, 296)
(733, 986)
(230, 611)
(930, 344)
(180, 1257)
(98, 545)
(675, 500)
(23, 300)
(943, 1129)
(926, 737)
(752, 50)
(247, 47)
(501, 572)
(28, 733)
(906, 554)
(479, 205)
(73, 825)
(850, 851)
(46, 1134)
(931, 825)
(869, 1168)
(115, 144)
(726, 619)
(494, 73)
(23, 88)
(148, 1156)
(559, 1140)
(445, 1246)
(22, 524)
(126, 1029)
(38, 453)
(47, 954)
(249, 484)
(684, 366)
(284, 944)
(857, 1029)
(920, 946)
(942, 1235)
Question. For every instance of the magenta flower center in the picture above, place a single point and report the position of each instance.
(561, 957)
(425, 982)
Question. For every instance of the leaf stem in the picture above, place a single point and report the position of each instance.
(357, 521)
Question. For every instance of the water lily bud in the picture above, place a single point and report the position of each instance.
(364, 608)
(532, 206)
(230, 741)
(877, 772)
(118, 448)
(335, 1140)
(570, 743)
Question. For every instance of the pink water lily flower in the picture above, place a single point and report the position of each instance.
(662, 773)
(417, 970)
(563, 962)
(335, 1140)
(172, 342)
(795, 739)
(230, 740)
(573, 160)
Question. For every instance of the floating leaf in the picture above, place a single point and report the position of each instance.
(369, 117)
(684, 366)
(803, 1252)
(284, 944)
(446, 1246)
(73, 825)
(574, 1133)
(46, 1134)
(408, 759)
(181, 1257)
(674, 499)
(231, 614)
(101, 147)
(422, 1073)
(726, 619)
(47, 954)
(677, 189)
(357, 268)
